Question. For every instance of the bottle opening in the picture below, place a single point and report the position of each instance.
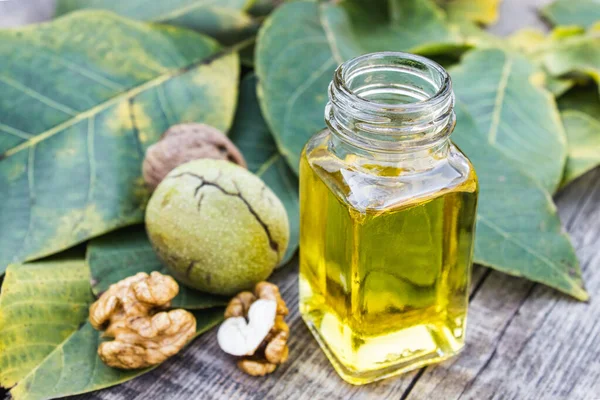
(391, 100)
(393, 79)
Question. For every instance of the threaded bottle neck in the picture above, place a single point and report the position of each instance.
(391, 103)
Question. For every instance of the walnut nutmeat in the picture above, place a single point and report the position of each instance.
(186, 142)
(255, 330)
(132, 313)
(256, 367)
(240, 305)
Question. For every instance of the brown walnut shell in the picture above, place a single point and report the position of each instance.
(186, 142)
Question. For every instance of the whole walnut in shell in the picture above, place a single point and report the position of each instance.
(216, 226)
(132, 313)
(186, 142)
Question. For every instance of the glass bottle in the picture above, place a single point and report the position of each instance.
(387, 215)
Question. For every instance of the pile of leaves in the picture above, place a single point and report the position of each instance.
(82, 98)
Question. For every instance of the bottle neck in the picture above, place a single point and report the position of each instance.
(395, 108)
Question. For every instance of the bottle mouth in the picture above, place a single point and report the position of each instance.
(391, 99)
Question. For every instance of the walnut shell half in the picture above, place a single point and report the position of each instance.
(186, 142)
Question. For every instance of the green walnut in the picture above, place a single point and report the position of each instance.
(216, 226)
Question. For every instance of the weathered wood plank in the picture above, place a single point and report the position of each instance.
(496, 322)
(527, 341)
(550, 349)
(504, 316)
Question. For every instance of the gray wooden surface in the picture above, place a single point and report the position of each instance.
(525, 341)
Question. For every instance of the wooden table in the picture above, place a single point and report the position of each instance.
(524, 340)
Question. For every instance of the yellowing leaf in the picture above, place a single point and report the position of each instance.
(527, 40)
(573, 53)
(41, 305)
(482, 11)
(530, 42)
(74, 367)
(101, 89)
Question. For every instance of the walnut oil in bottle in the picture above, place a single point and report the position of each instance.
(387, 215)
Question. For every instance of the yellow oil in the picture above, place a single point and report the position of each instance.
(383, 288)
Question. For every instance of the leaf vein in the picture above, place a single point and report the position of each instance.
(267, 164)
(335, 51)
(498, 104)
(38, 96)
(15, 132)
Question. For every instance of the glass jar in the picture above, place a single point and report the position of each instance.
(387, 215)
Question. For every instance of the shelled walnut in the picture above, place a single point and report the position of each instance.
(186, 142)
(255, 331)
(132, 313)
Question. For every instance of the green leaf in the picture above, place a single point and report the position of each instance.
(581, 98)
(583, 135)
(572, 51)
(74, 367)
(481, 11)
(224, 20)
(252, 136)
(573, 12)
(580, 111)
(302, 42)
(518, 230)
(126, 252)
(557, 86)
(518, 118)
(400, 25)
(99, 98)
(529, 42)
(42, 304)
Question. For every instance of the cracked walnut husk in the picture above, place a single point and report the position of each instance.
(255, 330)
(133, 313)
(217, 227)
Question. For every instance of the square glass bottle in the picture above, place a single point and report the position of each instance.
(387, 215)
